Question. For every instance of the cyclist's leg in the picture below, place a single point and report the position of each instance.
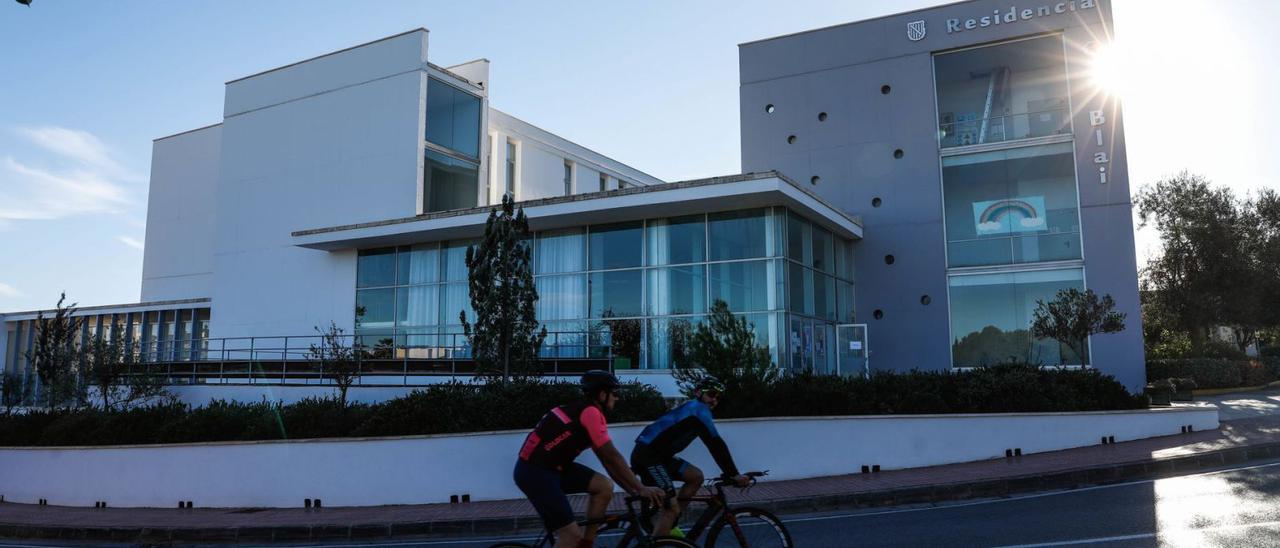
(578, 478)
(692, 477)
(544, 491)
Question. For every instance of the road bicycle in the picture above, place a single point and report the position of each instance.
(629, 521)
(730, 526)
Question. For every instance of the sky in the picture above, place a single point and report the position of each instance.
(85, 86)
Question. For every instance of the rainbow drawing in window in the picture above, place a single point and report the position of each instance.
(1024, 214)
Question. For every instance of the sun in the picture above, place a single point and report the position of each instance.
(1110, 69)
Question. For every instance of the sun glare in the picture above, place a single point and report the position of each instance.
(1109, 69)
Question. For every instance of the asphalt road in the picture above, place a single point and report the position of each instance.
(1235, 506)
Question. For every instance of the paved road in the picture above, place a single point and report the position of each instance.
(1237, 506)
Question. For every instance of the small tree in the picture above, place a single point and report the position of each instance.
(337, 360)
(1072, 316)
(505, 337)
(14, 391)
(725, 347)
(108, 365)
(53, 355)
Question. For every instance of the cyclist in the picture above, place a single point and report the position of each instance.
(545, 470)
(654, 457)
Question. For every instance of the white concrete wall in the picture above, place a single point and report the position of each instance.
(425, 469)
(330, 141)
(177, 260)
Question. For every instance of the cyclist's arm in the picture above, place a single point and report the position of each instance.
(617, 468)
(593, 420)
(715, 444)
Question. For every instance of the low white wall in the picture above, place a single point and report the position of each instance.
(424, 469)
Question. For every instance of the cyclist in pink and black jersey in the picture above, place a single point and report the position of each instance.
(546, 471)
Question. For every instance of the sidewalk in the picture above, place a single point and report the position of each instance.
(1237, 440)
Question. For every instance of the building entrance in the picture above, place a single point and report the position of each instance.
(851, 349)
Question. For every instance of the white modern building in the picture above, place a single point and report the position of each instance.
(345, 188)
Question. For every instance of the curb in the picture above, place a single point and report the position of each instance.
(1228, 391)
(997, 488)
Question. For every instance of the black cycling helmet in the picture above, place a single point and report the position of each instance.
(596, 380)
(710, 384)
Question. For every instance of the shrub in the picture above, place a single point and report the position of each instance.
(1207, 372)
(322, 418)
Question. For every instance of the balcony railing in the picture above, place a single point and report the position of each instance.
(391, 359)
(955, 133)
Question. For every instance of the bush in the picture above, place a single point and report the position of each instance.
(1217, 373)
(518, 404)
(997, 389)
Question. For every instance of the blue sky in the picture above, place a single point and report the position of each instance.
(85, 86)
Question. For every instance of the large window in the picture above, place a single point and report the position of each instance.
(453, 118)
(991, 317)
(451, 174)
(1013, 90)
(630, 290)
(1011, 206)
(450, 183)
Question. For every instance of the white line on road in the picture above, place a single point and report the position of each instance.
(1165, 534)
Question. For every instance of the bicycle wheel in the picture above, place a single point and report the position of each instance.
(630, 540)
(755, 528)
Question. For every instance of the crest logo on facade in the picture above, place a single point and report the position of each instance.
(915, 30)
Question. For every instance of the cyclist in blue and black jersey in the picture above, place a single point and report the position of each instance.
(654, 457)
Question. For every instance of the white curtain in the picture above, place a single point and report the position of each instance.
(560, 251)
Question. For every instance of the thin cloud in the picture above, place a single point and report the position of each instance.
(7, 290)
(87, 181)
(130, 242)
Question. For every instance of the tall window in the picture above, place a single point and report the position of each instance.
(568, 178)
(604, 182)
(1011, 206)
(451, 172)
(991, 315)
(511, 168)
(1013, 90)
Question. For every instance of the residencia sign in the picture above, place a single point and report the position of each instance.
(1013, 15)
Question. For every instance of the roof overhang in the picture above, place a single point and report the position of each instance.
(663, 200)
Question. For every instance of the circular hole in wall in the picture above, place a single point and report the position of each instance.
(889, 259)
(875, 202)
(822, 116)
(898, 154)
(878, 314)
(768, 109)
(791, 139)
(884, 90)
(925, 300)
(814, 180)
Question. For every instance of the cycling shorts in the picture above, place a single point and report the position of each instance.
(656, 470)
(547, 489)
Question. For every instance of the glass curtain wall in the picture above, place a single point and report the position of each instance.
(1013, 207)
(1009, 91)
(631, 290)
(451, 173)
(819, 269)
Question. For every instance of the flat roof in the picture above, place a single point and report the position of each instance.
(743, 191)
(98, 309)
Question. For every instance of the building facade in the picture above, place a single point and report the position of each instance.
(346, 188)
(987, 165)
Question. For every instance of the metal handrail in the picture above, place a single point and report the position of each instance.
(291, 360)
(948, 132)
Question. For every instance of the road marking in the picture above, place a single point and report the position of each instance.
(1166, 534)
(1021, 497)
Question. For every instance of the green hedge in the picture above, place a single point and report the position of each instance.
(439, 409)
(1217, 373)
(465, 407)
(997, 389)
